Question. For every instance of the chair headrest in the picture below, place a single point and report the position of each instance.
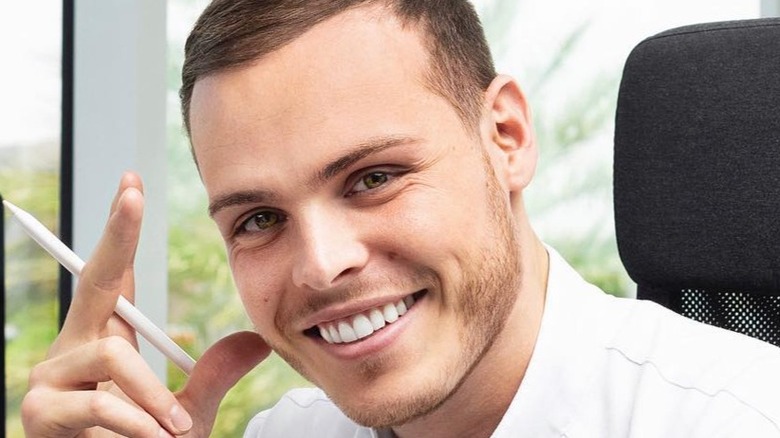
(697, 157)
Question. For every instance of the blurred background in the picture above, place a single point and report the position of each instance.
(567, 54)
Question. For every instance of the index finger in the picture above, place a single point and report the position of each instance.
(108, 272)
(129, 179)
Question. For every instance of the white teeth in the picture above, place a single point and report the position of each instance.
(326, 335)
(377, 319)
(400, 308)
(390, 313)
(334, 334)
(346, 332)
(364, 324)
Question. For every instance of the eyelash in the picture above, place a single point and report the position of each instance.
(280, 218)
(387, 177)
(241, 229)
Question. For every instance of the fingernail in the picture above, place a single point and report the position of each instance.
(180, 419)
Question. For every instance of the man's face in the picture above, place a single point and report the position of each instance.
(370, 242)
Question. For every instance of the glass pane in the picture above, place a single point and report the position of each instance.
(568, 56)
(30, 39)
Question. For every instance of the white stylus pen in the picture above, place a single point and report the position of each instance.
(67, 258)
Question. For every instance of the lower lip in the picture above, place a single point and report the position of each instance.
(374, 343)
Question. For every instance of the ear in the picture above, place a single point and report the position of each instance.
(507, 133)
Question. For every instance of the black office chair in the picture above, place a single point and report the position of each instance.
(697, 173)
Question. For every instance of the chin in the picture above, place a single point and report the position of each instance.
(391, 410)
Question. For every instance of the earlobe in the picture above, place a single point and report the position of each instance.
(508, 132)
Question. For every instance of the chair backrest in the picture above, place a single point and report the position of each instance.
(697, 173)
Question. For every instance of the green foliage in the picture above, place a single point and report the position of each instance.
(574, 175)
(31, 281)
(498, 19)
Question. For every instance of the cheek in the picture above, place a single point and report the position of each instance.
(259, 289)
(437, 220)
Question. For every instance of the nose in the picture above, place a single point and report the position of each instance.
(330, 250)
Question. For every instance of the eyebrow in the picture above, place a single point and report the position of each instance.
(239, 198)
(358, 152)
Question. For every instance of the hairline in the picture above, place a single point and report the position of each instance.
(432, 78)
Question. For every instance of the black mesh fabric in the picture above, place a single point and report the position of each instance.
(742, 312)
(697, 173)
(755, 315)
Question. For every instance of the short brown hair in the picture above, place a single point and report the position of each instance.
(233, 33)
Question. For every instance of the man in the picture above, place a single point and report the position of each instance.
(366, 166)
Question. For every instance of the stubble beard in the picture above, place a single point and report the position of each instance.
(484, 299)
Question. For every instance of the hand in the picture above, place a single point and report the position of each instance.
(95, 384)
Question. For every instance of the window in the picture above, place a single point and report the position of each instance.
(567, 55)
(31, 41)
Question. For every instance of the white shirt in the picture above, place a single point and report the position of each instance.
(603, 367)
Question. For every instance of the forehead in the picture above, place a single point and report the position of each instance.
(354, 76)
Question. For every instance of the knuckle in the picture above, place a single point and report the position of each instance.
(103, 276)
(34, 406)
(38, 375)
(162, 398)
(100, 404)
(111, 350)
(102, 284)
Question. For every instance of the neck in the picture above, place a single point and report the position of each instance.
(489, 389)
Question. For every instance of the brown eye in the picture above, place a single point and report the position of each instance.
(371, 181)
(261, 221)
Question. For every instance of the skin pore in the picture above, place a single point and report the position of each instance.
(341, 183)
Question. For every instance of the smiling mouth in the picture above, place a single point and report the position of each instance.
(363, 324)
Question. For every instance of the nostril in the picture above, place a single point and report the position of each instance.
(345, 273)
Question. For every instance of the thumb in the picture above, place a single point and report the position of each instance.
(220, 367)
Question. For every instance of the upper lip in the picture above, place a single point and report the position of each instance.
(343, 310)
